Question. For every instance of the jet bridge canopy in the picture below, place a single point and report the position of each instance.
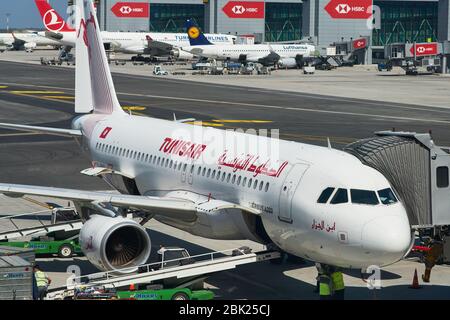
(417, 169)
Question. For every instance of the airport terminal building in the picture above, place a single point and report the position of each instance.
(321, 21)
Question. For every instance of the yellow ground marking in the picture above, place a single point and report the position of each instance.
(241, 121)
(35, 92)
(3, 87)
(134, 108)
(42, 204)
(59, 97)
(205, 123)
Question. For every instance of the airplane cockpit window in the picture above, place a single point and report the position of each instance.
(341, 196)
(364, 197)
(325, 195)
(387, 196)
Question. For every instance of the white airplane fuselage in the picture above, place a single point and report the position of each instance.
(252, 53)
(136, 42)
(32, 38)
(286, 191)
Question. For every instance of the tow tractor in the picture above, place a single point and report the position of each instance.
(159, 71)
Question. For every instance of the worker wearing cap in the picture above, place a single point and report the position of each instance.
(42, 282)
(337, 279)
(432, 256)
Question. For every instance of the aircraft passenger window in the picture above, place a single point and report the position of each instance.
(209, 173)
(223, 176)
(213, 174)
(179, 166)
(244, 182)
(325, 195)
(128, 153)
(267, 187)
(341, 196)
(387, 196)
(199, 170)
(442, 177)
(204, 171)
(170, 164)
(238, 181)
(192, 169)
(255, 184)
(261, 184)
(146, 158)
(250, 182)
(218, 175)
(364, 197)
(167, 163)
(185, 167)
(154, 160)
(159, 159)
(234, 179)
(228, 177)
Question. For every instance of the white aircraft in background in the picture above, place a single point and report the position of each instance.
(152, 43)
(313, 202)
(287, 55)
(27, 41)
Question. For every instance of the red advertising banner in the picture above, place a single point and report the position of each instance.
(425, 49)
(131, 9)
(244, 9)
(349, 9)
(359, 43)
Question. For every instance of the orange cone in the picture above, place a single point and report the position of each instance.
(132, 288)
(415, 283)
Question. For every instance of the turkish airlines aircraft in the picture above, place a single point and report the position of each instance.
(314, 202)
(288, 55)
(152, 43)
(25, 41)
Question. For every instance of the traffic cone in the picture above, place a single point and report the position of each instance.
(415, 283)
(132, 288)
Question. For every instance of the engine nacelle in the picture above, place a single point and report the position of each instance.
(114, 243)
(29, 46)
(182, 55)
(287, 63)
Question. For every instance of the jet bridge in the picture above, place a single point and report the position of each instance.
(417, 169)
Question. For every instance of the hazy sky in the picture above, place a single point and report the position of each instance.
(24, 13)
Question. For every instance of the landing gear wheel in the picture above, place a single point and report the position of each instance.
(180, 296)
(65, 251)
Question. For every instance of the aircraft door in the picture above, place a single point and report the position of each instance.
(288, 190)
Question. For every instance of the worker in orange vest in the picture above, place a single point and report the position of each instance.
(432, 256)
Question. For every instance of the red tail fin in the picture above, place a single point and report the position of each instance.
(52, 20)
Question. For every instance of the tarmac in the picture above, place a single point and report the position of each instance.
(309, 108)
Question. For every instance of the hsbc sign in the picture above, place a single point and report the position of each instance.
(422, 49)
(244, 9)
(349, 9)
(131, 10)
(359, 43)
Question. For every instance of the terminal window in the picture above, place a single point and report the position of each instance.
(172, 17)
(442, 177)
(283, 21)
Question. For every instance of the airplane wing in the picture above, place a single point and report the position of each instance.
(157, 48)
(171, 207)
(44, 130)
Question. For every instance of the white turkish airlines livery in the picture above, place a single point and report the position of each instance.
(314, 202)
(152, 43)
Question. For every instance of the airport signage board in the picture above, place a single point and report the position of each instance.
(422, 49)
(349, 9)
(359, 43)
(244, 9)
(131, 9)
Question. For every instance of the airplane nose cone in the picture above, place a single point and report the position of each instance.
(388, 236)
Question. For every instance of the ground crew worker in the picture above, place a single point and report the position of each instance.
(337, 279)
(325, 283)
(42, 282)
(432, 256)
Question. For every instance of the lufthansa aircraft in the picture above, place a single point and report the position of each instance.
(152, 43)
(313, 202)
(288, 55)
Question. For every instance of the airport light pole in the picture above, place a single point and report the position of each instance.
(7, 21)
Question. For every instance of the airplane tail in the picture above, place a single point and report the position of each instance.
(52, 20)
(94, 87)
(196, 36)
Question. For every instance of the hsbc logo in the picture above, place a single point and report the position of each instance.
(345, 8)
(238, 9)
(125, 10)
(421, 50)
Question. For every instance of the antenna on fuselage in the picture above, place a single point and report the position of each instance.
(329, 143)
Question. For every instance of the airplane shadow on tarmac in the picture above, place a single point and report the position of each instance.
(265, 280)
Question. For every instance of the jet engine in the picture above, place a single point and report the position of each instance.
(287, 63)
(29, 46)
(181, 55)
(114, 243)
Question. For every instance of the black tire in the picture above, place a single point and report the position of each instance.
(180, 296)
(65, 251)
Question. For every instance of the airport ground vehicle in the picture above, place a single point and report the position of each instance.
(159, 71)
(385, 66)
(45, 245)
